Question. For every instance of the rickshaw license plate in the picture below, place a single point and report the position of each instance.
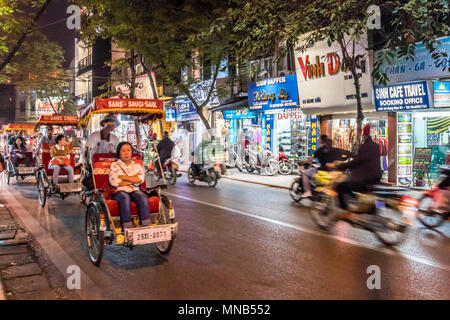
(26, 170)
(152, 235)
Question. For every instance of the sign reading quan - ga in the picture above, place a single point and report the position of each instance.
(402, 96)
(273, 93)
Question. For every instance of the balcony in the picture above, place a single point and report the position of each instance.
(83, 98)
(84, 64)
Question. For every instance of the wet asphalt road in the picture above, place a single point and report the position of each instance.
(239, 241)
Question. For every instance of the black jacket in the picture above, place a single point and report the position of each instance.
(365, 167)
(165, 147)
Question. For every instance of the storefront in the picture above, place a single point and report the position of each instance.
(419, 95)
(283, 125)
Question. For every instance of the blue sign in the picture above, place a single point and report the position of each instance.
(313, 135)
(421, 67)
(171, 114)
(275, 93)
(441, 94)
(267, 130)
(402, 96)
(186, 111)
(243, 113)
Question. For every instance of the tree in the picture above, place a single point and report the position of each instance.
(17, 24)
(37, 69)
(169, 35)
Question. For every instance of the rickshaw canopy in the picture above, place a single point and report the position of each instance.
(19, 127)
(136, 107)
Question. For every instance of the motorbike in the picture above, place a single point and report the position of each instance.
(380, 210)
(207, 173)
(433, 207)
(284, 164)
(170, 169)
(260, 162)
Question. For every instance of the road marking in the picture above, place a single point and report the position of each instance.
(56, 254)
(318, 233)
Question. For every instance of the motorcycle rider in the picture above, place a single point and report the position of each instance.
(164, 148)
(364, 169)
(325, 154)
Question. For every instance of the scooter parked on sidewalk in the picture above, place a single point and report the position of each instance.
(263, 162)
(434, 205)
(284, 164)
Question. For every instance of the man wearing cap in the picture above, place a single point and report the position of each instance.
(50, 138)
(364, 169)
(104, 141)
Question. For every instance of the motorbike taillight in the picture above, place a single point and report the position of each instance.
(410, 201)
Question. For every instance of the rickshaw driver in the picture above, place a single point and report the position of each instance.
(49, 139)
(103, 141)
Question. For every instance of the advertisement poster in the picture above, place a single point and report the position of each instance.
(402, 96)
(441, 94)
(275, 93)
(143, 89)
(422, 159)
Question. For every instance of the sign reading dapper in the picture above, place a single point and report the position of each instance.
(402, 96)
(273, 93)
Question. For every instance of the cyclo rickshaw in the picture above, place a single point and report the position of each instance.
(102, 224)
(22, 170)
(43, 171)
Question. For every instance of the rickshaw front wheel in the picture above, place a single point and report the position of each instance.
(164, 218)
(94, 236)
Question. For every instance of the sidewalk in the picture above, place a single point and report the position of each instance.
(25, 273)
(278, 181)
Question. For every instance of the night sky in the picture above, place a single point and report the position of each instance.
(58, 31)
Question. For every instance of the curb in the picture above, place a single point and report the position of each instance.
(253, 182)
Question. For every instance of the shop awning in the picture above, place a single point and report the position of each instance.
(233, 104)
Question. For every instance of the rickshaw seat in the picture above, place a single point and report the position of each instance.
(101, 166)
(22, 161)
(45, 158)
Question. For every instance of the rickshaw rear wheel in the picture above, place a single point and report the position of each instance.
(94, 236)
(42, 191)
(164, 218)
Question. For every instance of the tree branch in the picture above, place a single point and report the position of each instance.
(22, 38)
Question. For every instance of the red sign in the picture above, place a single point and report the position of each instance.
(128, 104)
(58, 119)
(294, 114)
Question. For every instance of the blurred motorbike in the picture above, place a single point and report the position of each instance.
(379, 210)
(297, 189)
(207, 173)
(433, 207)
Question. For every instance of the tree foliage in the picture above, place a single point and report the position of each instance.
(169, 35)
